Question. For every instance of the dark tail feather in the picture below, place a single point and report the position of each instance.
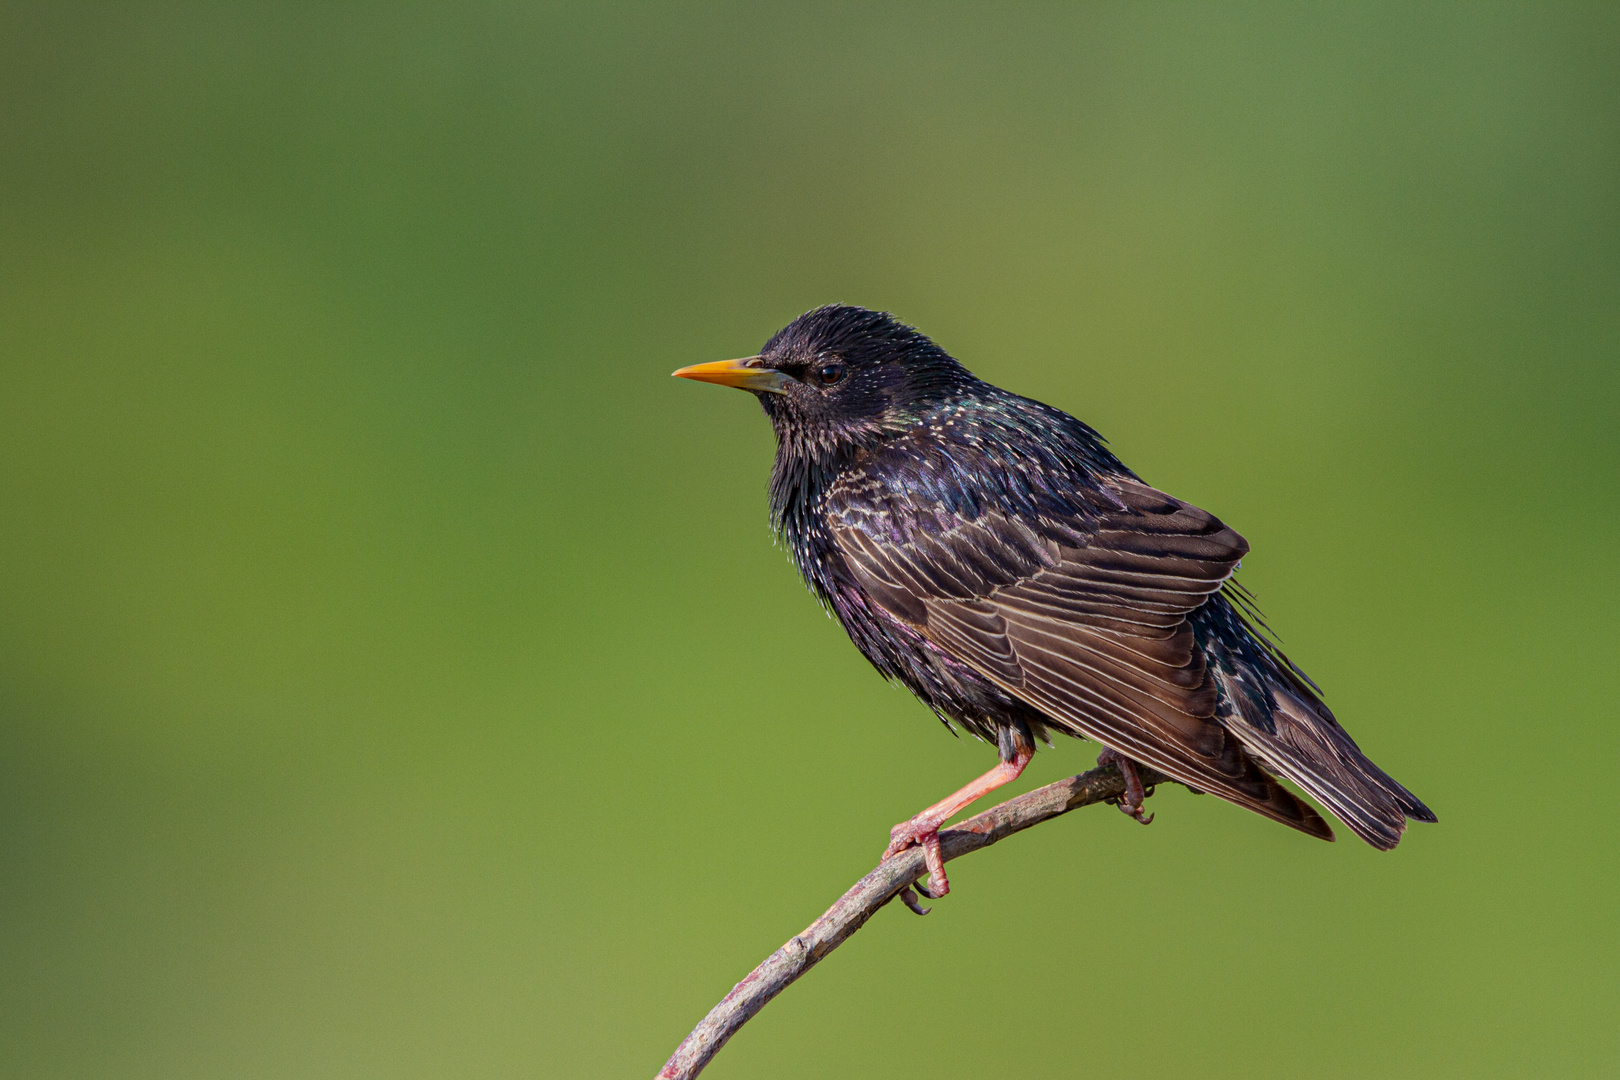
(1273, 709)
(1311, 749)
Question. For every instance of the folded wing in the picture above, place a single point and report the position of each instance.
(1087, 622)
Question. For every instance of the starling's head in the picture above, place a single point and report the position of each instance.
(839, 372)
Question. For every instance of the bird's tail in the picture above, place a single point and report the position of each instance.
(1269, 705)
(1306, 745)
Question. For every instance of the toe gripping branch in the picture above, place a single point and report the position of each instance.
(935, 863)
(923, 830)
(1129, 803)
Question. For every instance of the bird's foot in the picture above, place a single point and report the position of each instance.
(921, 831)
(1131, 802)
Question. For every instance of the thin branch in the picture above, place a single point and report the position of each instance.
(883, 884)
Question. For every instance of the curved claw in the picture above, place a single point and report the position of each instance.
(1134, 812)
(1130, 803)
(909, 898)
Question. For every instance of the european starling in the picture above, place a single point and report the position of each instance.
(991, 554)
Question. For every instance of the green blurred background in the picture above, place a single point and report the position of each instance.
(397, 678)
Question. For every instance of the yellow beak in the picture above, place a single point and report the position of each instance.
(744, 374)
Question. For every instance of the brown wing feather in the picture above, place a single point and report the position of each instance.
(1096, 687)
(1094, 636)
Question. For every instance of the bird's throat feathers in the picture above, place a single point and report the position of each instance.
(807, 463)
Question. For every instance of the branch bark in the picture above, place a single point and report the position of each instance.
(877, 888)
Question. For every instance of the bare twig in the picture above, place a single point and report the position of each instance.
(890, 879)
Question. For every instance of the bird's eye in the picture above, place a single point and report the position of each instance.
(830, 373)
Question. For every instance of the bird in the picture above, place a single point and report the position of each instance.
(992, 555)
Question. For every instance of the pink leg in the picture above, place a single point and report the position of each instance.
(924, 828)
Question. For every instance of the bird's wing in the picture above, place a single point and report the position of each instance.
(1087, 622)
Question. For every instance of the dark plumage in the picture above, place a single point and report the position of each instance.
(991, 554)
